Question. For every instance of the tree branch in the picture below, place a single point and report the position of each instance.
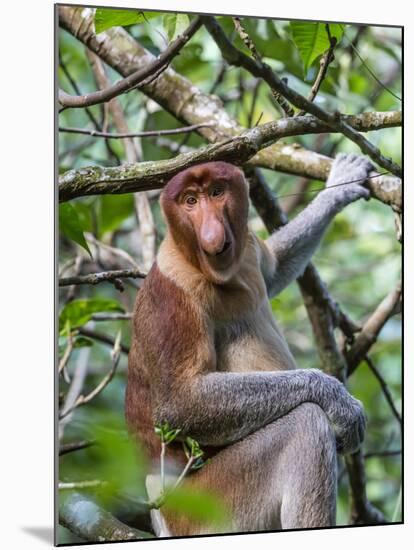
(261, 70)
(182, 99)
(87, 520)
(372, 327)
(143, 176)
(97, 278)
(134, 79)
(363, 512)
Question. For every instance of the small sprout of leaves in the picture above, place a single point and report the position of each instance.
(192, 448)
(166, 433)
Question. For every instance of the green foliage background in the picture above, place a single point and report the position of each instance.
(359, 258)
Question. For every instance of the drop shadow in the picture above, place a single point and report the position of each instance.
(45, 534)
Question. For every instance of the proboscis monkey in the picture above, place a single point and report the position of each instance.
(208, 357)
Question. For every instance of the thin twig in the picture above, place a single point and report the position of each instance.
(186, 469)
(133, 154)
(368, 68)
(75, 388)
(75, 446)
(82, 399)
(88, 484)
(100, 337)
(219, 78)
(162, 466)
(385, 389)
(165, 493)
(147, 133)
(111, 316)
(137, 77)
(65, 358)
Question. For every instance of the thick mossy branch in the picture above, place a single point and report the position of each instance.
(238, 150)
(83, 517)
(144, 176)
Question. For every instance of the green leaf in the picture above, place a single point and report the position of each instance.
(198, 505)
(79, 312)
(113, 210)
(175, 24)
(85, 215)
(83, 342)
(312, 39)
(107, 18)
(70, 225)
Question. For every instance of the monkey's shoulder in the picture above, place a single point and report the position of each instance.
(164, 313)
(170, 332)
(161, 297)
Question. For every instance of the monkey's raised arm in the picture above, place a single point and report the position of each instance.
(290, 249)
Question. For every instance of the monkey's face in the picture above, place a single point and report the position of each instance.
(206, 208)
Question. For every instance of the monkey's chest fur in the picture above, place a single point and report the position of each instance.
(252, 343)
(246, 336)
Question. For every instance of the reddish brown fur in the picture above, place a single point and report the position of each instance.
(164, 321)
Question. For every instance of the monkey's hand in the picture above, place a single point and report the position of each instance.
(347, 177)
(345, 413)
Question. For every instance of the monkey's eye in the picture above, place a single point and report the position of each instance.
(190, 200)
(217, 192)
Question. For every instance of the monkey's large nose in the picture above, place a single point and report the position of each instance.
(212, 236)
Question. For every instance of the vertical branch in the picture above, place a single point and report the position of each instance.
(279, 99)
(75, 389)
(324, 63)
(133, 154)
(89, 112)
